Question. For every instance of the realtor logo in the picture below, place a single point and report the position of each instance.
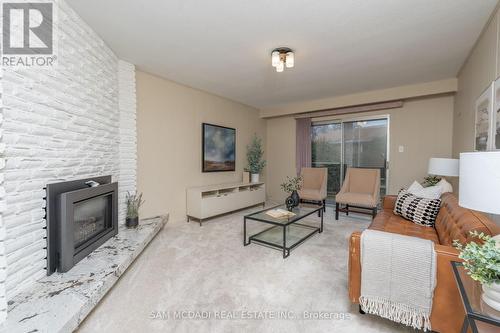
(28, 29)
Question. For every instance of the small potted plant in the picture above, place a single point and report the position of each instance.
(431, 181)
(255, 159)
(482, 262)
(134, 203)
(292, 185)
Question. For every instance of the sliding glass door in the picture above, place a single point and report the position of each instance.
(365, 146)
(327, 153)
(357, 143)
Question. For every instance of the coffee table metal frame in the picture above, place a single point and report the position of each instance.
(283, 247)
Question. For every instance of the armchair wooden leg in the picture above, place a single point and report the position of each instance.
(319, 211)
(337, 210)
(347, 210)
(324, 205)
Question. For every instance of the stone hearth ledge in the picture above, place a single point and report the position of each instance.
(60, 302)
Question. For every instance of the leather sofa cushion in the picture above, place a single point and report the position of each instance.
(454, 222)
(387, 221)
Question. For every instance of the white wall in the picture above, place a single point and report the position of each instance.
(479, 70)
(72, 121)
(169, 118)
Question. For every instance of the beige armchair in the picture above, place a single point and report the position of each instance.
(314, 182)
(361, 189)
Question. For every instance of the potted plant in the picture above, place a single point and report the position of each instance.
(255, 159)
(430, 181)
(482, 262)
(292, 185)
(134, 202)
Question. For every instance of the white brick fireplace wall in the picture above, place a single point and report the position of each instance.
(73, 121)
(3, 258)
(128, 133)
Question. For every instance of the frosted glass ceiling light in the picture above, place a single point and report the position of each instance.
(275, 58)
(290, 60)
(280, 67)
(282, 57)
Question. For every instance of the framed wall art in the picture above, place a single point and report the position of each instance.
(483, 120)
(218, 148)
(495, 120)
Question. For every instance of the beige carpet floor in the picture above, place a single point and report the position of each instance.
(192, 279)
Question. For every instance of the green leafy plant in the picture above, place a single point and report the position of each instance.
(430, 181)
(292, 184)
(482, 261)
(134, 203)
(255, 156)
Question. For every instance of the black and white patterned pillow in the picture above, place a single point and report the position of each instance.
(418, 210)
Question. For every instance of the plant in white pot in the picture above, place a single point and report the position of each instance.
(134, 203)
(255, 159)
(482, 262)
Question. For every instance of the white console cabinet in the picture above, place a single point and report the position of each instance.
(208, 201)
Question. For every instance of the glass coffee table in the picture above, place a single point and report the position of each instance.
(478, 315)
(284, 233)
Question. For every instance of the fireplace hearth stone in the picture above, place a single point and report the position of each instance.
(61, 301)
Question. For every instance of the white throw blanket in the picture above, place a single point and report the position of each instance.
(398, 276)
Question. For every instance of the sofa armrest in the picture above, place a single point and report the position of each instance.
(389, 201)
(447, 252)
(354, 267)
(446, 301)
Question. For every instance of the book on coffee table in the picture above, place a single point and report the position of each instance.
(280, 213)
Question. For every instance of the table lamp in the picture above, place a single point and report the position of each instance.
(480, 181)
(480, 190)
(443, 167)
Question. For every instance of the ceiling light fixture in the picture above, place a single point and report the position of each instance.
(281, 57)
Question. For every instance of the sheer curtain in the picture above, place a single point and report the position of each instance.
(303, 144)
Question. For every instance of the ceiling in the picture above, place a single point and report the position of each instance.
(341, 47)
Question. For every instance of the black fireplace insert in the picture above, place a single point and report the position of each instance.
(80, 218)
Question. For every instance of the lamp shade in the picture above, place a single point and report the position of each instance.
(480, 181)
(443, 167)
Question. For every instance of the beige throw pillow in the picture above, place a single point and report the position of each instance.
(431, 192)
(445, 186)
(415, 187)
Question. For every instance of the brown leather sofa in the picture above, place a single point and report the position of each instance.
(453, 222)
